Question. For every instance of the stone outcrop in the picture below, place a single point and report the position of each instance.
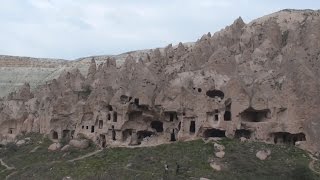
(258, 81)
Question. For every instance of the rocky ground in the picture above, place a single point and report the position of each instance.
(183, 160)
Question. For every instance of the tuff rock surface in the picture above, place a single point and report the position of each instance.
(257, 80)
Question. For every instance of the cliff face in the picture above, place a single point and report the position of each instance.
(256, 80)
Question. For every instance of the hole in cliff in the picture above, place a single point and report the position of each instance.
(54, 134)
(65, 133)
(82, 127)
(173, 136)
(214, 133)
(103, 140)
(124, 99)
(144, 135)
(172, 116)
(192, 128)
(10, 131)
(113, 134)
(100, 124)
(288, 138)
(215, 93)
(115, 117)
(72, 134)
(109, 116)
(227, 114)
(126, 134)
(110, 108)
(252, 115)
(199, 90)
(242, 133)
(87, 127)
(92, 129)
(157, 125)
(136, 101)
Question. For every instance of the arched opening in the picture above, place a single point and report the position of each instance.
(214, 133)
(113, 134)
(227, 116)
(115, 117)
(110, 108)
(66, 134)
(157, 125)
(100, 124)
(252, 115)
(215, 93)
(92, 129)
(288, 138)
(242, 133)
(143, 135)
(54, 134)
(192, 128)
(103, 140)
(173, 136)
(136, 101)
(126, 134)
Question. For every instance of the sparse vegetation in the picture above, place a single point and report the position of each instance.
(286, 162)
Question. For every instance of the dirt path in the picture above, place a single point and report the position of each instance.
(85, 156)
(311, 164)
(5, 165)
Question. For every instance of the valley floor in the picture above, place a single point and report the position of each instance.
(184, 160)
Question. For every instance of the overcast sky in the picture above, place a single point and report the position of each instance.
(71, 29)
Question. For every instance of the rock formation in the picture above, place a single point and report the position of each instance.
(257, 80)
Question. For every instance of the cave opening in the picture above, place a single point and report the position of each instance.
(113, 134)
(103, 140)
(157, 125)
(214, 133)
(192, 128)
(215, 93)
(252, 115)
(242, 133)
(100, 124)
(54, 135)
(92, 129)
(66, 134)
(288, 138)
(144, 134)
(115, 117)
(126, 134)
(110, 108)
(173, 136)
(136, 101)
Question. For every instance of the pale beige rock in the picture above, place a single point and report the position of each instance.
(263, 154)
(54, 147)
(220, 154)
(243, 139)
(66, 148)
(218, 147)
(20, 142)
(81, 144)
(215, 166)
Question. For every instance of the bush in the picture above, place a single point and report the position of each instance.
(12, 147)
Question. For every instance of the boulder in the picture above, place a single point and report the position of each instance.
(202, 178)
(81, 144)
(218, 147)
(66, 148)
(220, 154)
(263, 154)
(243, 139)
(54, 147)
(215, 166)
(20, 142)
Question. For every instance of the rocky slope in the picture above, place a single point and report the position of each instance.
(256, 80)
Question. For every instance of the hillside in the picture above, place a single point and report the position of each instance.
(193, 158)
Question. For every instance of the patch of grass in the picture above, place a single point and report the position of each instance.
(240, 162)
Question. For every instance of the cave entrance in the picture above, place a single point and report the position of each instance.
(173, 136)
(215, 93)
(100, 124)
(172, 115)
(157, 125)
(113, 134)
(72, 134)
(10, 131)
(126, 134)
(227, 112)
(242, 133)
(54, 135)
(192, 128)
(66, 134)
(143, 134)
(252, 115)
(214, 133)
(92, 129)
(136, 101)
(115, 117)
(103, 140)
(288, 138)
